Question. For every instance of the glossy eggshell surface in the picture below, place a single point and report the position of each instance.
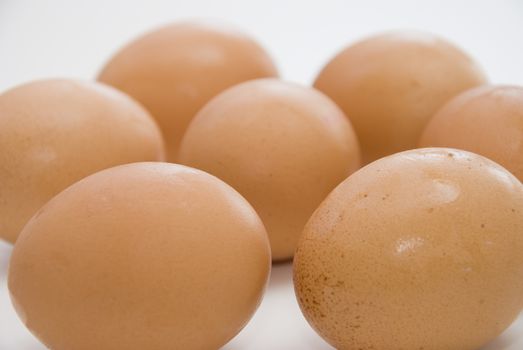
(176, 69)
(55, 132)
(391, 84)
(486, 120)
(141, 256)
(418, 250)
(282, 146)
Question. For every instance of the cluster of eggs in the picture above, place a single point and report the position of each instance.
(118, 249)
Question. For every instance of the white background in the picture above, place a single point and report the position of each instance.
(67, 38)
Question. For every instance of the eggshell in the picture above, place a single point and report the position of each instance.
(283, 146)
(418, 250)
(176, 69)
(486, 120)
(55, 132)
(141, 256)
(391, 84)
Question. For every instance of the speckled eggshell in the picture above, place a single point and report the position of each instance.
(281, 145)
(176, 69)
(55, 132)
(486, 120)
(391, 84)
(141, 256)
(418, 250)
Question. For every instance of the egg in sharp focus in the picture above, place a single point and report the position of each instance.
(281, 145)
(418, 250)
(55, 132)
(140, 256)
(174, 70)
(487, 120)
(391, 84)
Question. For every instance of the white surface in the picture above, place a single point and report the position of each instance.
(73, 38)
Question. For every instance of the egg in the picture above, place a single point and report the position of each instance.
(486, 120)
(417, 250)
(140, 256)
(55, 132)
(391, 84)
(176, 69)
(283, 146)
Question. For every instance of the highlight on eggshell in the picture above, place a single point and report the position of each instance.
(487, 120)
(54, 132)
(283, 146)
(389, 85)
(174, 70)
(141, 256)
(417, 250)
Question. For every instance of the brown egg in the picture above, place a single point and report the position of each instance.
(282, 146)
(391, 84)
(486, 120)
(176, 69)
(418, 250)
(141, 256)
(55, 132)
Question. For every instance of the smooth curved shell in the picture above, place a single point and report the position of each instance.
(173, 71)
(141, 256)
(486, 120)
(390, 85)
(418, 250)
(55, 132)
(283, 146)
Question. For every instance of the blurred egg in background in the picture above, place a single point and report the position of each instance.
(55, 132)
(487, 120)
(173, 71)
